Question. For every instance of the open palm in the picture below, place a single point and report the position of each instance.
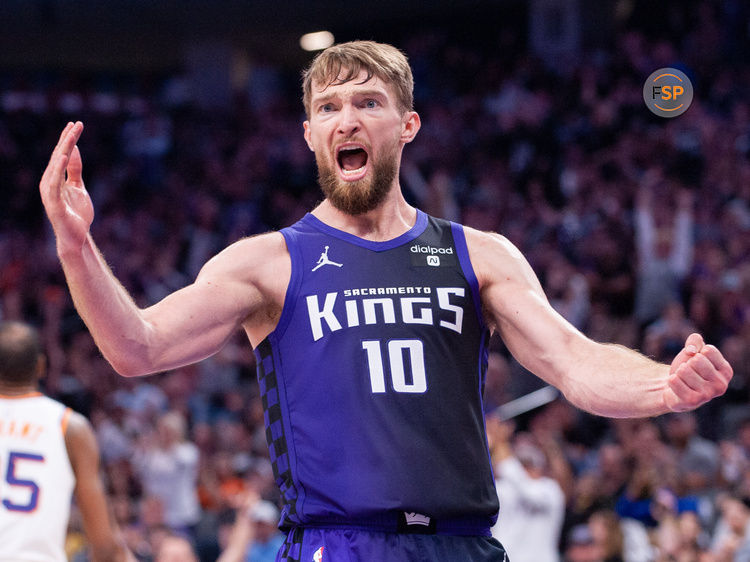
(64, 196)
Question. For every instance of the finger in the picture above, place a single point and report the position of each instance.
(65, 131)
(693, 344)
(53, 175)
(68, 138)
(74, 168)
(690, 377)
(52, 180)
(63, 146)
(697, 381)
(709, 375)
(71, 139)
(716, 358)
(63, 134)
(686, 397)
(55, 153)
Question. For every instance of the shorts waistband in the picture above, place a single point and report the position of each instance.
(410, 523)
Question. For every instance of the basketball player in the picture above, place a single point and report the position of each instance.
(370, 322)
(47, 454)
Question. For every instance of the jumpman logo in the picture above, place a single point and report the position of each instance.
(323, 260)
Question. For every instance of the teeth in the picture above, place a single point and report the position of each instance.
(352, 172)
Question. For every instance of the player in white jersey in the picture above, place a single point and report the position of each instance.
(48, 453)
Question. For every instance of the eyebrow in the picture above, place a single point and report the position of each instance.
(323, 98)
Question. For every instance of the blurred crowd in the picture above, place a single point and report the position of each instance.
(637, 226)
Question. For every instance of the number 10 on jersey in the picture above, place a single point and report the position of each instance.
(396, 351)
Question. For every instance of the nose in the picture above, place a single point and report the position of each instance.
(348, 120)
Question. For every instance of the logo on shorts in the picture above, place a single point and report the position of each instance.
(318, 556)
(417, 519)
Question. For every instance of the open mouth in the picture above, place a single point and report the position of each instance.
(352, 161)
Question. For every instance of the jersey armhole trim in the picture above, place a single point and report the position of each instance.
(64, 420)
(295, 280)
(462, 251)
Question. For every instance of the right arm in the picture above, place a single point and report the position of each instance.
(186, 326)
(604, 379)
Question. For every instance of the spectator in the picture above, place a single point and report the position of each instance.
(607, 536)
(533, 503)
(581, 546)
(697, 457)
(664, 253)
(680, 538)
(175, 548)
(254, 536)
(731, 537)
(167, 464)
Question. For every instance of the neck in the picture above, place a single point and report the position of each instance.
(389, 220)
(17, 390)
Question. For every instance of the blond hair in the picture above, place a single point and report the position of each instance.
(342, 63)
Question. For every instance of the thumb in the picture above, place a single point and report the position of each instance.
(74, 169)
(693, 344)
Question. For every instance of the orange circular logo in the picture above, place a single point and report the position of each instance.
(668, 92)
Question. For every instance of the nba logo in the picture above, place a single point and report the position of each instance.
(433, 260)
(318, 556)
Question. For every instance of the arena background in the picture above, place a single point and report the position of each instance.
(534, 126)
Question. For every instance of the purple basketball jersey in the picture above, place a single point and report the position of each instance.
(372, 380)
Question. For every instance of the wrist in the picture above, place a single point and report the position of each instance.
(72, 251)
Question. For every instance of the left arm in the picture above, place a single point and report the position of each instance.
(605, 379)
(101, 531)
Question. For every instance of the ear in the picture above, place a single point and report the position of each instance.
(308, 135)
(410, 126)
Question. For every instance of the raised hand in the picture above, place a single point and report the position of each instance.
(697, 374)
(64, 196)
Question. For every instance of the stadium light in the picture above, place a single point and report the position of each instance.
(316, 41)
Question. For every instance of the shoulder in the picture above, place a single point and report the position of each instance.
(491, 241)
(77, 425)
(507, 283)
(252, 251)
(80, 440)
(252, 276)
(493, 255)
(260, 261)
